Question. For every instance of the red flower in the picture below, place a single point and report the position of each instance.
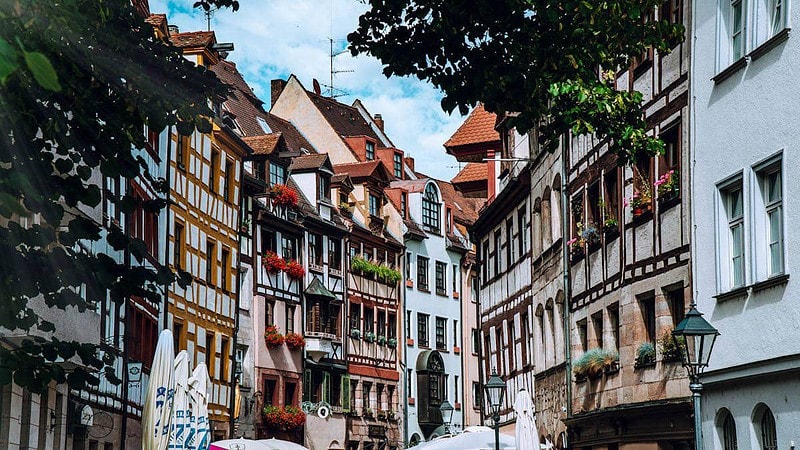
(295, 341)
(273, 263)
(295, 270)
(286, 418)
(272, 337)
(283, 195)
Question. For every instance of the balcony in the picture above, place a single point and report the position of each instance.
(322, 345)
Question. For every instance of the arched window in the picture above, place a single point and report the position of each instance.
(537, 227)
(555, 208)
(547, 232)
(430, 208)
(727, 429)
(765, 423)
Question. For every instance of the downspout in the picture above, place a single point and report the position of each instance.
(232, 356)
(481, 376)
(565, 263)
(403, 365)
(123, 430)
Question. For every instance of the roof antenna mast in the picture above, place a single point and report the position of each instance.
(334, 92)
(209, 13)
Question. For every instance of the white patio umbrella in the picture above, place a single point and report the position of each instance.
(198, 391)
(157, 408)
(239, 444)
(279, 444)
(182, 425)
(468, 440)
(527, 436)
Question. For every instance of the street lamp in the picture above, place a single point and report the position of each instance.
(695, 337)
(495, 391)
(447, 415)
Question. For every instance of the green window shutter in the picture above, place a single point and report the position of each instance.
(326, 388)
(345, 393)
(307, 386)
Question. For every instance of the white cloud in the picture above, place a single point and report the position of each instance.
(277, 38)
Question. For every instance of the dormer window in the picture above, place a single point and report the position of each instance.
(370, 151)
(277, 174)
(449, 218)
(324, 187)
(430, 209)
(263, 124)
(374, 205)
(398, 166)
(404, 204)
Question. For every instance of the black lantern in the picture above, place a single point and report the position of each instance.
(447, 414)
(695, 337)
(495, 392)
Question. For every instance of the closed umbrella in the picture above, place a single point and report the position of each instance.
(527, 436)
(182, 426)
(157, 408)
(198, 392)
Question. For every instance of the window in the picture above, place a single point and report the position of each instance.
(509, 241)
(455, 279)
(448, 226)
(408, 323)
(177, 248)
(210, 260)
(268, 242)
(289, 247)
(324, 187)
(213, 171)
(370, 151)
(476, 341)
(409, 383)
(315, 249)
(767, 433)
(182, 151)
(391, 326)
(225, 358)
(455, 389)
(277, 174)
(736, 23)
(366, 390)
(677, 304)
(526, 333)
(290, 318)
(441, 284)
(770, 182)
(143, 330)
(404, 205)
(672, 11)
(496, 251)
(422, 330)
(228, 188)
(430, 209)
(355, 316)
(422, 273)
(441, 333)
(210, 353)
(593, 217)
(269, 312)
(455, 333)
(734, 210)
(334, 253)
(647, 306)
(226, 256)
(398, 165)
(522, 237)
(381, 331)
(374, 206)
(476, 395)
(597, 324)
(728, 432)
(582, 333)
(369, 320)
(485, 256)
(261, 170)
(269, 392)
(409, 261)
(610, 200)
(290, 390)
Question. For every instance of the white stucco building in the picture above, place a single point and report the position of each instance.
(743, 181)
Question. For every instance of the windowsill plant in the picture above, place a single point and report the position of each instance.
(645, 355)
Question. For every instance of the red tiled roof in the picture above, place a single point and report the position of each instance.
(344, 119)
(192, 39)
(263, 145)
(465, 210)
(472, 172)
(156, 20)
(478, 128)
(295, 141)
(357, 170)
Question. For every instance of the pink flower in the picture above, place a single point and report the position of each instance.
(572, 241)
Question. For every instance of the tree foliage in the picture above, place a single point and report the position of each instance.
(542, 59)
(79, 81)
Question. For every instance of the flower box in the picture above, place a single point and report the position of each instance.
(382, 340)
(283, 195)
(283, 418)
(391, 343)
(369, 336)
(645, 356)
(456, 350)
(455, 295)
(272, 337)
(410, 283)
(273, 263)
(295, 270)
(355, 333)
(295, 341)
(410, 342)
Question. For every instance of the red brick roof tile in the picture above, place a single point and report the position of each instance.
(346, 120)
(307, 162)
(263, 145)
(357, 170)
(478, 128)
(472, 172)
(156, 20)
(465, 210)
(192, 39)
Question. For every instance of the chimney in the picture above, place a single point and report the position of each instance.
(276, 87)
(410, 162)
(379, 121)
(173, 29)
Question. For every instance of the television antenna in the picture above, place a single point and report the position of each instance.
(209, 13)
(334, 92)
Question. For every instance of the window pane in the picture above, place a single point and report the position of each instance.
(775, 242)
(735, 199)
(737, 246)
(773, 187)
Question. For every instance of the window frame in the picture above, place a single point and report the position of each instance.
(423, 267)
(441, 333)
(431, 209)
(441, 277)
(423, 333)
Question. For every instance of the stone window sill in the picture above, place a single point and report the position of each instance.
(753, 288)
(756, 53)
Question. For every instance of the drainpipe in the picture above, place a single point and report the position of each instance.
(565, 263)
(123, 430)
(403, 365)
(232, 356)
(480, 344)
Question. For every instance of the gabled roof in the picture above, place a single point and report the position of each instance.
(295, 141)
(344, 119)
(362, 170)
(156, 20)
(317, 289)
(477, 129)
(264, 144)
(193, 39)
(465, 210)
(472, 172)
(310, 162)
(411, 185)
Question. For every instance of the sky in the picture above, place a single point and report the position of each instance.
(277, 38)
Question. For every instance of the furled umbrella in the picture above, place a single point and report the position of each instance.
(198, 392)
(157, 408)
(527, 436)
(182, 425)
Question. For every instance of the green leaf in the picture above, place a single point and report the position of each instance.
(42, 71)
(8, 60)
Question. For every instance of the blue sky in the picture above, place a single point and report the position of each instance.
(276, 38)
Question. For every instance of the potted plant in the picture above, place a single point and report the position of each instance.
(610, 225)
(589, 235)
(594, 363)
(367, 413)
(283, 418)
(641, 200)
(668, 186)
(369, 336)
(645, 355)
(668, 345)
(283, 195)
(244, 228)
(575, 248)
(295, 270)
(272, 337)
(381, 415)
(381, 340)
(355, 333)
(273, 263)
(391, 343)
(295, 341)
(345, 208)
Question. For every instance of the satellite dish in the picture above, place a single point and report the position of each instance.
(317, 89)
